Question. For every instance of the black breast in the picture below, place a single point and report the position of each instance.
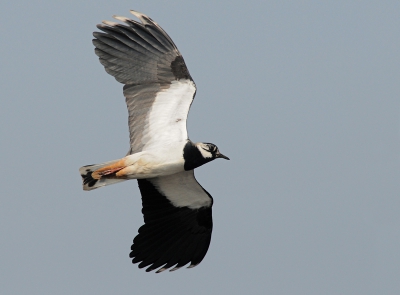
(192, 156)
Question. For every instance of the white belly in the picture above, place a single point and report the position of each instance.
(154, 163)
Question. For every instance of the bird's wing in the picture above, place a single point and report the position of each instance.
(158, 87)
(178, 222)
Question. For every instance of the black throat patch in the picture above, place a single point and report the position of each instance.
(192, 156)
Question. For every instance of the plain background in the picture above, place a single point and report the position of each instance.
(303, 96)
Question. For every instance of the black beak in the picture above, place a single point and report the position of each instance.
(219, 155)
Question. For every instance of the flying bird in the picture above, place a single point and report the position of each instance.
(159, 92)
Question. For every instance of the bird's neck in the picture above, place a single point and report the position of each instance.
(193, 157)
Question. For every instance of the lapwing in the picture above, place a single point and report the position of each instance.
(159, 92)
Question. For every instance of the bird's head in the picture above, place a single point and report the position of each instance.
(209, 151)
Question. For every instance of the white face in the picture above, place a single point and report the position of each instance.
(205, 149)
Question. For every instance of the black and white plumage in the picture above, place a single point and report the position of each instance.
(159, 92)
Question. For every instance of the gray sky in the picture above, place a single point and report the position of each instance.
(303, 96)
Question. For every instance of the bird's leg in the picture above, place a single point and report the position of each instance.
(110, 169)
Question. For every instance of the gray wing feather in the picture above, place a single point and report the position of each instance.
(144, 58)
(139, 99)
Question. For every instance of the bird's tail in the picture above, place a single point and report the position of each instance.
(98, 175)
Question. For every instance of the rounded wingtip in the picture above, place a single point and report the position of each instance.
(120, 18)
(175, 268)
(136, 13)
(161, 270)
(192, 265)
(109, 23)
